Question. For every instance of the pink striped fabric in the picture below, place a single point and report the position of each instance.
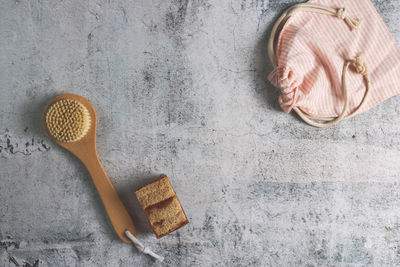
(311, 52)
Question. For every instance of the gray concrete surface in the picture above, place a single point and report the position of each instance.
(180, 88)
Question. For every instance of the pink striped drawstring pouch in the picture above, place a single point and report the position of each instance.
(333, 59)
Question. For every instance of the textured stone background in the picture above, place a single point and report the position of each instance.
(180, 88)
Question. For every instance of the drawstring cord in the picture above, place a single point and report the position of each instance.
(357, 62)
(341, 13)
(360, 68)
(141, 247)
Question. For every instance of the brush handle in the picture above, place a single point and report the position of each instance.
(120, 218)
(85, 150)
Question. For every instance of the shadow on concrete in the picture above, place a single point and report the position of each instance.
(263, 67)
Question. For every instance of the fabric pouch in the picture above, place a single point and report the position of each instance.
(333, 59)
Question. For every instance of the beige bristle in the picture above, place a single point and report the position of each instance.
(67, 120)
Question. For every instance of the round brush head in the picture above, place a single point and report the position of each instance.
(67, 120)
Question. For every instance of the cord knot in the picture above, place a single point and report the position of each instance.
(359, 64)
(341, 13)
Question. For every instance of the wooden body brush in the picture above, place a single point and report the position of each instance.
(70, 120)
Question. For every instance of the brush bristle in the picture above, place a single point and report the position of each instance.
(67, 120)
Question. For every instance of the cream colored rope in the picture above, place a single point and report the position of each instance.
(358, 63)
(142, 248)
